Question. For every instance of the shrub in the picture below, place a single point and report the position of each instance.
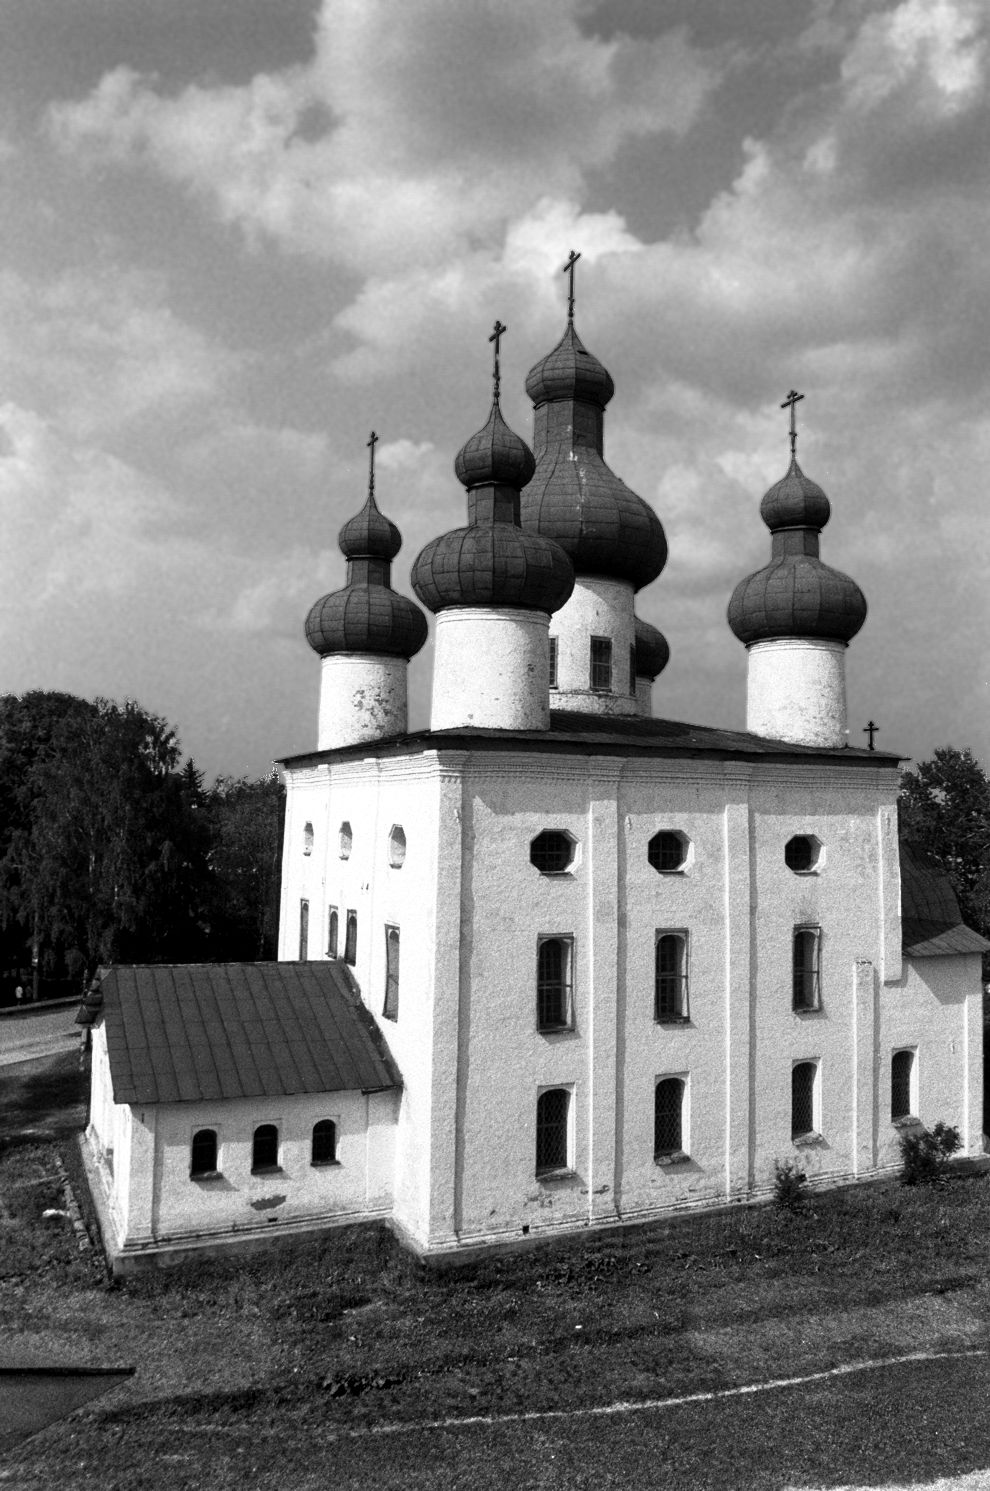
(925, 1153)
(788, 1186)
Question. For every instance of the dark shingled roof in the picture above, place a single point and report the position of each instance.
(200, 1031)
(931, 924)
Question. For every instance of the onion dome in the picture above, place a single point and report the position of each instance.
(652, 650)
(493, 561)
(796, 595)
(367, 615)
(573, 497)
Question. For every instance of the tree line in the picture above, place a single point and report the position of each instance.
(112, 849)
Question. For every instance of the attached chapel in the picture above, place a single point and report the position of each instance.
(555, 962)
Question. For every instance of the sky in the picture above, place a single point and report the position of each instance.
(237, 236)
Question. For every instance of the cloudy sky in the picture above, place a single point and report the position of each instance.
(238, 234)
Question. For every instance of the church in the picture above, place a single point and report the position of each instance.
(555, 962)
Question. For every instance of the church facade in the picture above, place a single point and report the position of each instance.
(610, 966)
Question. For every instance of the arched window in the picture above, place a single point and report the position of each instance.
(552, 1130)
(203, 1156)
(901, 1074)
(391, 1006)
(671, 985)
(554, 958)
(350, 939)
(803, 1078)
(668, 1117)
(333, 931)
(806, 968)
(324, 1142)
(264, 1150)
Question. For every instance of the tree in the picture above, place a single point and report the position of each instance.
(945, 808)
(245, 860)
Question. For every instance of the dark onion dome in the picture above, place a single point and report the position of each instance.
(492, 561)
(652, 650)
(369, 535)
(796, 595)
(494, 454)
(570, 371)
(367, 615)
(574, 498)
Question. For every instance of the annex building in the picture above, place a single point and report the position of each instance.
(555, 962)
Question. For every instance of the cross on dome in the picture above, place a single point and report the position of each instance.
(791, 401)
(372, 442)
(568, 269)
(497, 334)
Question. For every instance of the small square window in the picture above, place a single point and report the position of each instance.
(554, 983)
(601, 665)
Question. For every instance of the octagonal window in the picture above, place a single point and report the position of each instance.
(396, 846)
(345, 840)
(667, 851)
(552, 852)
(803, 854)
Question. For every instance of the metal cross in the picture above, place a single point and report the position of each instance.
(792, 400)
(568, 269)
(496, 337)
(372, 442)
(871, 730)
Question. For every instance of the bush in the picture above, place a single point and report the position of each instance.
(788, 1186)
(925, 1153)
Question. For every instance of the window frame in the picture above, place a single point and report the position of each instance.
(816, 853)
(682, 998)
(322, 1124)
(390, 1007)
(674, 1153)
(553, 660)
(564, 984)
(909, 1116)
(350, 937)
(655, 860)
(812, 1100)
(204, 1172)
(396, 846)
(572, 844)
(804, 1002)
(551, 1169)
(303, 929)
(600, 667)
(345, 840)
(333, 931)
(308, 838)
(265, 1167)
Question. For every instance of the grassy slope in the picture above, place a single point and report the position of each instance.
(270, 1371)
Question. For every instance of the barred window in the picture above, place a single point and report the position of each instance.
(671, 981)
(601, 665)
(551, 852)
(324, 1150)
(264, 1149)
(554, 982)
(553, 662)
(203, 1154)
(803, 1077)
(333, 931)
(391, 1006)
(350, 939)
(667, 851)
(668, 1117)
(552, 1130)
(806, 968)
(901, 1074)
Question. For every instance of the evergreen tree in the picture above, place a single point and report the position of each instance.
(945, 808)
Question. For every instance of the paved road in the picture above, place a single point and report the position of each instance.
(29, 1035)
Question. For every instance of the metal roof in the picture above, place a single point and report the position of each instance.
(931, 923)
(202, 1031)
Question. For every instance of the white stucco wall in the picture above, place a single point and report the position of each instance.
(597, 608)
(491, 669)
(362, 697)
(796, 690)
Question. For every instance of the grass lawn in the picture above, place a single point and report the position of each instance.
(281, 1369)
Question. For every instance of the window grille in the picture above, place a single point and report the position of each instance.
(671, 976)
(803, 1099)
(601, 665)
(333, 931)
(806, 972)
(264, 1149)
(391, 1007)
(203, 1156)
(667, 851)
(554, 958)
(553, 662)
(552, 1112)
(901, 1072)
(668, 1111)
(551, 852)
(350, 939)
(324, 1151)
(303, 931)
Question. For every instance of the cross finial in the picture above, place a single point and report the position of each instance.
(568, 269)
(372, 442)
(871, 729)
(496, 337)
(792, 399)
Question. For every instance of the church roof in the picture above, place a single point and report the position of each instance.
(207, 1031)
(931, 923)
